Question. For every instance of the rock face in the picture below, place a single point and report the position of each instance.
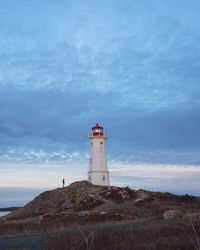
(171, 214)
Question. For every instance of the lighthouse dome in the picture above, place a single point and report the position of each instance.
(97, 130)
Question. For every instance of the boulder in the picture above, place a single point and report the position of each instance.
(102, 212)
(170, 214)
(84, 213)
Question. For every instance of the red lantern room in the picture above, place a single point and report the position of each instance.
(97, 130)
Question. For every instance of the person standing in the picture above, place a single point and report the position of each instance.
(63, 183)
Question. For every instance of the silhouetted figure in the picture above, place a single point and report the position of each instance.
(63, 183)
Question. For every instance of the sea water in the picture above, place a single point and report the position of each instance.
(4, 213)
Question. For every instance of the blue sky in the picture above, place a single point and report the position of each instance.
(132, 66)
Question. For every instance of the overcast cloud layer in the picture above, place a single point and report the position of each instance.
(132, 66)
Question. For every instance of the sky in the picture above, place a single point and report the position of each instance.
(133, 66)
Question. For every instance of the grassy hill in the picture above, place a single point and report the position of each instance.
(85, 210)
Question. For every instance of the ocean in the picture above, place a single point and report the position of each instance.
(3, 213)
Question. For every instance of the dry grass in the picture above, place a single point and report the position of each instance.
(177, 236)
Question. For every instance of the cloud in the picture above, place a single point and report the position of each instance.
(133, 66)
(179, 179)
(46, 175)
(47, 124)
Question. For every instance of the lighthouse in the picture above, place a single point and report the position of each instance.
(98, 173)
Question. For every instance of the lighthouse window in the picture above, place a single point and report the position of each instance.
(101, 142)
(98, 130)
(104, 177)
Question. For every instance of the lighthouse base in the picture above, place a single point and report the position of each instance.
(100, 178)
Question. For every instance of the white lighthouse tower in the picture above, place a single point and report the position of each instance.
(98, 173)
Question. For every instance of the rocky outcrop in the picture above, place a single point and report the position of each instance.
(82, 201)
(118, 193)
